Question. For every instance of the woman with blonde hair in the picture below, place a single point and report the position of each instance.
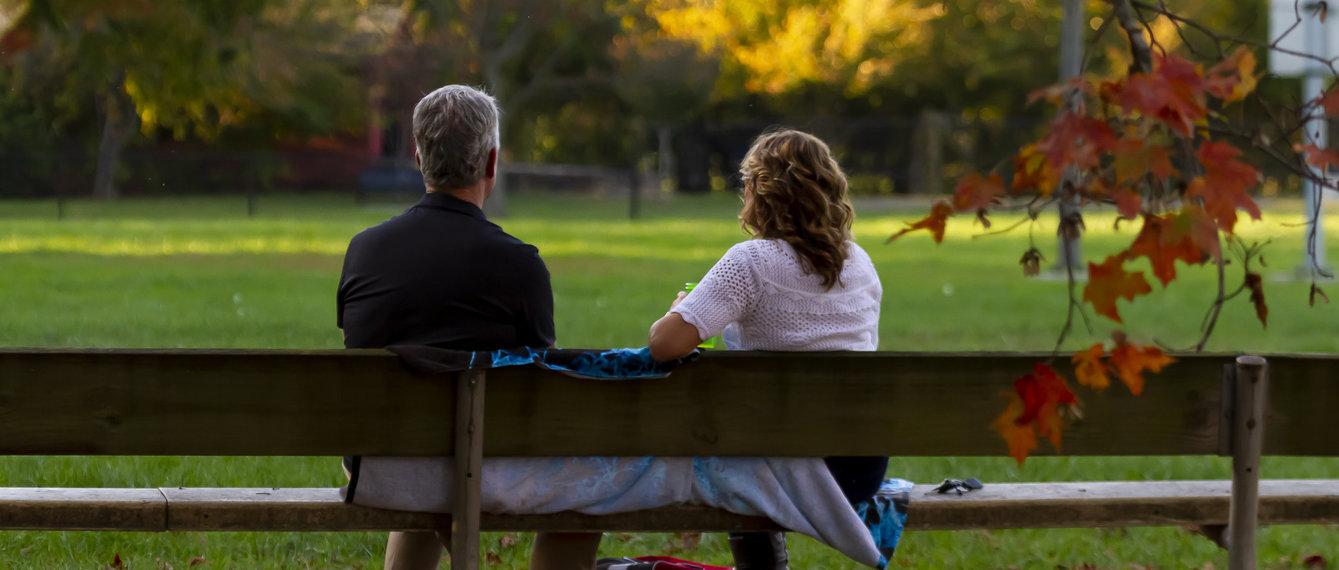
(800, 284)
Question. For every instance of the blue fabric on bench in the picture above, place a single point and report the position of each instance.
(607, 363)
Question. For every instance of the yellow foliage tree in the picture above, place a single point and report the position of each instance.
(778, 45)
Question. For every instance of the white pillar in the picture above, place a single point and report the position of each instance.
(1315, 133)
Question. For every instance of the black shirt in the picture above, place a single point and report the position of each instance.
(440, 274)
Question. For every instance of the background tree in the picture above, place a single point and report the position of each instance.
(182, 70)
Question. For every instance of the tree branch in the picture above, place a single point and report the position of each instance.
(1134, 30)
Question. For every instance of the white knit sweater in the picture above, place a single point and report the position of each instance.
(759, 296)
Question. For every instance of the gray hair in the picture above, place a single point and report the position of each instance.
(454, 128)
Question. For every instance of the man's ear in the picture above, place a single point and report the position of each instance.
(417, 162)
(490, 169)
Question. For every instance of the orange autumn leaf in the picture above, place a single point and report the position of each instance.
(934, 222)
(1089, 369)
(1322, 158)
(1132, 157)
(1108, 282)
(1131, 360)
(1224, 184)
(1032, 172)
(1257, 287)
(1188, 236)
(1233, 78)
(1021, 439)
(975, 192)
(1128, 204)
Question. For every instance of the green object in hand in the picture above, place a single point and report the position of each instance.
(713, 342)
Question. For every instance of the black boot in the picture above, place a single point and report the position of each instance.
(759, 550)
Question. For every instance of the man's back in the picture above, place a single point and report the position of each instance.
(440, 274)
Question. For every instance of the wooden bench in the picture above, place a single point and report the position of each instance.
(364, 402)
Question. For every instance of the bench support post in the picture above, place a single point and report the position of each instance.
(468, 470)
(1248, 423)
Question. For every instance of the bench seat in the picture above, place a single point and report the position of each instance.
(997, 506)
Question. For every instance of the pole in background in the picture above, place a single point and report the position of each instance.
(1069, 257)
(1316, 132)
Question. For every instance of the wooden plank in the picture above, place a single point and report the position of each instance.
(48, 508)
(258, 402)
(998, 505)
(1303, 394)
(813, 404)
(1251, 386)
(1119, 503)
(218, 402)
(281, 509)
(467, 469)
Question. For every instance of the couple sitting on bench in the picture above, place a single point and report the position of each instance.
(441, 275)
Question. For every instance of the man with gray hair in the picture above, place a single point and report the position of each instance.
(440, 274)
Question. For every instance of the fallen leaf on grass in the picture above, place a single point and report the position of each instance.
(197, 561)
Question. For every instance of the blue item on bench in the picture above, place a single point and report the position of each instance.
(611, 363)
(885, 515)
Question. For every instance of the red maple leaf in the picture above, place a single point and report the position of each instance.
(1188, 236)
(1040, 387)
(1132, 157)
(1173, 94)
(934, 222)
(1330, 102)
(1089, 369)
(1108, 282)
(1223, 186)
(1131, 360)
(975, 192)
(1076, 140)
(1021, 438)
(1257, 287)
(1043, 392)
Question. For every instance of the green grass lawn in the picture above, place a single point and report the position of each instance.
(196, 272)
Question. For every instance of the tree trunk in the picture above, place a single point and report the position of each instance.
(664, 158)
(496, 205)
(119, 121)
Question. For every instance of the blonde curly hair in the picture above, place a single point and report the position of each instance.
(795, 191)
